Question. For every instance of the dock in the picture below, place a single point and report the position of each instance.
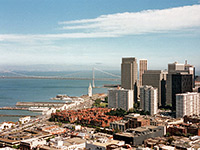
(13, 108)
(40, 104)
(3, 115)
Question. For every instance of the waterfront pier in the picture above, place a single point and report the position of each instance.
(40, 104)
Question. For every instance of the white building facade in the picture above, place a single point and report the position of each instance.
(149, 99)
(120, 98)
(187, 104)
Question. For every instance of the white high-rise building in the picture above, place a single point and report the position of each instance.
(90, 90)
(149, 99)
(187, 104)
(120, 98)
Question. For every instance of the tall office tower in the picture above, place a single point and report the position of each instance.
(174, 69)
(157, 79)
(181, 83)
(129, 72)
(191, 70)
(120, 98)
(149, 99)
(143, 67)
(187, 104)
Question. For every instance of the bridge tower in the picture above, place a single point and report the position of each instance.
(93, 77)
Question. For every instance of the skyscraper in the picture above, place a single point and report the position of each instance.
(181, 83)
(175, 68)
(143, 67)
(129, 71)
(157, 79)
(120, 98)
(149, 99)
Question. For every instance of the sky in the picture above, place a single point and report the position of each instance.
(55, 35)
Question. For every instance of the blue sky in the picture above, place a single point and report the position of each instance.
(81, 34)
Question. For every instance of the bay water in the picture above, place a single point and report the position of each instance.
(41, 90)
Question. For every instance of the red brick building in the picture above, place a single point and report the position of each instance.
(90, 116)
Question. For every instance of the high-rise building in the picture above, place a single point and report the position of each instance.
(143, 67)
(187, 104)
(181, 83)
(120, 98)
(149, 99)
(129, 71)
(175, 68)
(157, 79)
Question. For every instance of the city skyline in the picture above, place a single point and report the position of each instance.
(72, 35)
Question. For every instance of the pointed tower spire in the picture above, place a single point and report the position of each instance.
(90, 90)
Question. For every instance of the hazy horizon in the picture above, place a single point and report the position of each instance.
(81, 34)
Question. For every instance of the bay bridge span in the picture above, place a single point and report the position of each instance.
(72, 76)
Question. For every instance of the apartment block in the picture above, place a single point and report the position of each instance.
(149, 99)
(120, 98)
(187, 104)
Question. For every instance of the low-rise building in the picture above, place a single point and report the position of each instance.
(6, 125)
(31, 143)
(184, 129)
(191, 119)
(185, 143)
(120, 125)
(24, 120)
(163, 147)
(65, 144)
(102, 144)
(53, 129)
(138, 135)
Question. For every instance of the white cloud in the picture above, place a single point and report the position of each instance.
(141, 22)
(120, 24)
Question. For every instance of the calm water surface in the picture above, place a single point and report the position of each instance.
(41, 90)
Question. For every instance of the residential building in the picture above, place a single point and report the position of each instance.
(191, 119)
(120, 98)
(120, 125)
(157, 79)
(187, 104)
(136, 121)
(143, 67)
(149, 99)
(90, 116)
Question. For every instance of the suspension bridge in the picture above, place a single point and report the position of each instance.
(16, 75)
